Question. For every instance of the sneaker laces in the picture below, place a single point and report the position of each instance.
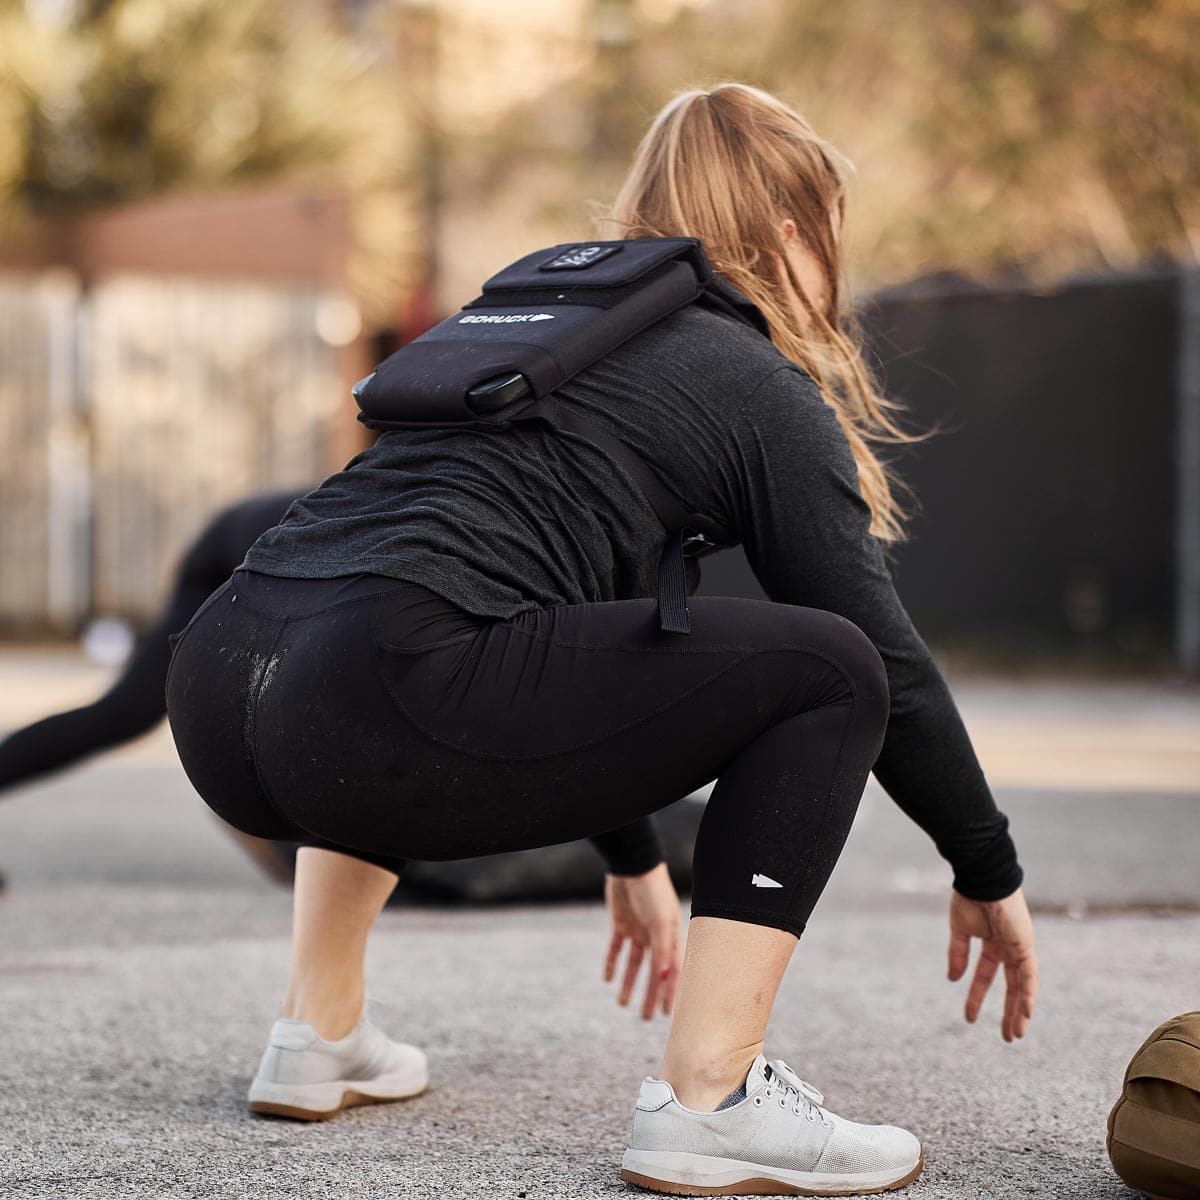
(808, 1098)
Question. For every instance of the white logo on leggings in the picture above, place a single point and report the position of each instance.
(765, 881)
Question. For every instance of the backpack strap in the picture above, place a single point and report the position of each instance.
(721, 296)
(688, 532)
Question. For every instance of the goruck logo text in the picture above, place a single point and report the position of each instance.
(503, 319)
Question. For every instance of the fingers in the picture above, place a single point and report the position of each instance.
(1020, 992)
(1011, 998)
(654, 986)
(1030, 980)
(959, 955)
(614, 953)
(1024, 1014)
(985, 972)
(664, 971)
(636, 954)
(1022, 985)
(666, 975)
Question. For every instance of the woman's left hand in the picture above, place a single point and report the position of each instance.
(645, 912)
(1006, 930)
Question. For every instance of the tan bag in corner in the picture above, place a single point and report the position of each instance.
(1154, 1128)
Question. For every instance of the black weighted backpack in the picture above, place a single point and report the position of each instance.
(497, 363)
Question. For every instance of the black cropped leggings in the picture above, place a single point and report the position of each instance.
(373, 716)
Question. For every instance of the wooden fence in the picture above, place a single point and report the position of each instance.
(130, 413)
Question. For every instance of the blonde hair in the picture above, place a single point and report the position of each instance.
(728, 166)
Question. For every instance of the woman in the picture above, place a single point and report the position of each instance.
(450, 648)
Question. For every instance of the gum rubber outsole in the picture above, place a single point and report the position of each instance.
(762, 1187)
(350, 1099)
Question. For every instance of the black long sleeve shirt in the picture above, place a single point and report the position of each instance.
(504, 523)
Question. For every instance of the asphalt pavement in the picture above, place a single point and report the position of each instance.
(142, 955)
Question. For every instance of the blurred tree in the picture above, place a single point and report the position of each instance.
(1000, 138)
(997, 138)
(1065, 132)
(1035, 137)
(115, 99)
(108, 101)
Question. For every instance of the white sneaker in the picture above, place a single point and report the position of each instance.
(778, 1140)
(302, 1075)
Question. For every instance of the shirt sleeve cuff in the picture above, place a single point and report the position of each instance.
(990, 876)
(633, 849)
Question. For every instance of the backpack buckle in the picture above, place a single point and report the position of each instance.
(695, 544)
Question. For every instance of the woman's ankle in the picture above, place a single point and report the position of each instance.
(332, 1020)
(702, 1082)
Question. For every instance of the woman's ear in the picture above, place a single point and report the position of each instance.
(788, 229)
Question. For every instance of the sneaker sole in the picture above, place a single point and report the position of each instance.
(324, 1101)
(756, 1180)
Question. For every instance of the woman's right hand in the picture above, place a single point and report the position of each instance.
(1006, 930)
(645, 912)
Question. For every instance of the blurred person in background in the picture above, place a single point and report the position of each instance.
(449, 648)
(136, 701)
